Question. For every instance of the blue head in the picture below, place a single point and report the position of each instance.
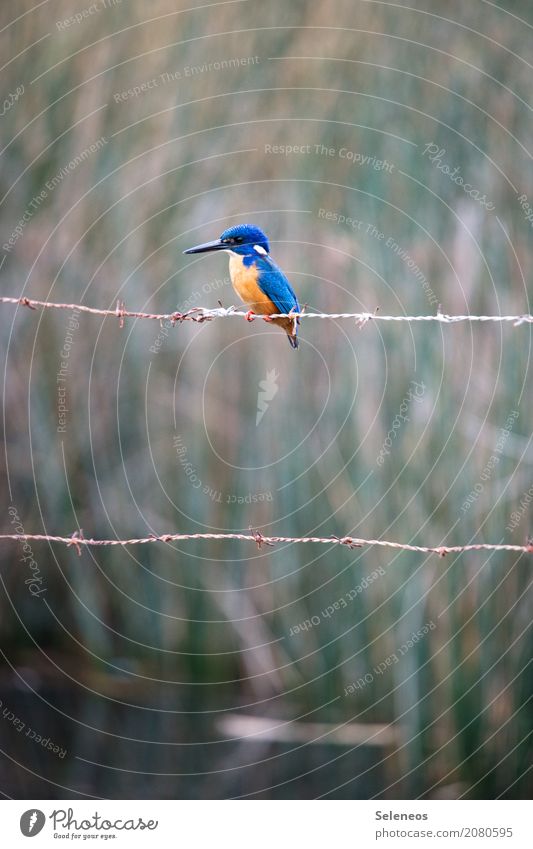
(241, 239)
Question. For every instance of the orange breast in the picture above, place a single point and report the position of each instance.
(244, 281)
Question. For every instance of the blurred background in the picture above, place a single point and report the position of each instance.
(386, 152)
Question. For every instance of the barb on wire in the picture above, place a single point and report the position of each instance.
(259, 538)
(201, 314)
(77, 540)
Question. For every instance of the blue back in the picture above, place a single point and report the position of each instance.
(275, 285)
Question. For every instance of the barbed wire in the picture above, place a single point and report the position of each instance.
(201, 314)
(77, 540)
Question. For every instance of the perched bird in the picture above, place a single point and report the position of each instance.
(255, 277)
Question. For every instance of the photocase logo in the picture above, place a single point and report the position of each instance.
(267, 390)
(32, 822)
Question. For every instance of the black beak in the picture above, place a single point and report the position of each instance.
(216, 245)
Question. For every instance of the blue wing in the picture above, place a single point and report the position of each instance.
(275, 285)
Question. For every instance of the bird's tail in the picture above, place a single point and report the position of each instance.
(292, 330)
(293, 341)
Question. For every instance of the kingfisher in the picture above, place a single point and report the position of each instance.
(255, 277)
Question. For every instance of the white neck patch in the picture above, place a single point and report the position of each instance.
(260, 250)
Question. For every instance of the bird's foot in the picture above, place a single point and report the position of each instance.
(250, 315)
(267, 318)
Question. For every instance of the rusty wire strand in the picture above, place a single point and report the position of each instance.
(77, 540)
(201, 314)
